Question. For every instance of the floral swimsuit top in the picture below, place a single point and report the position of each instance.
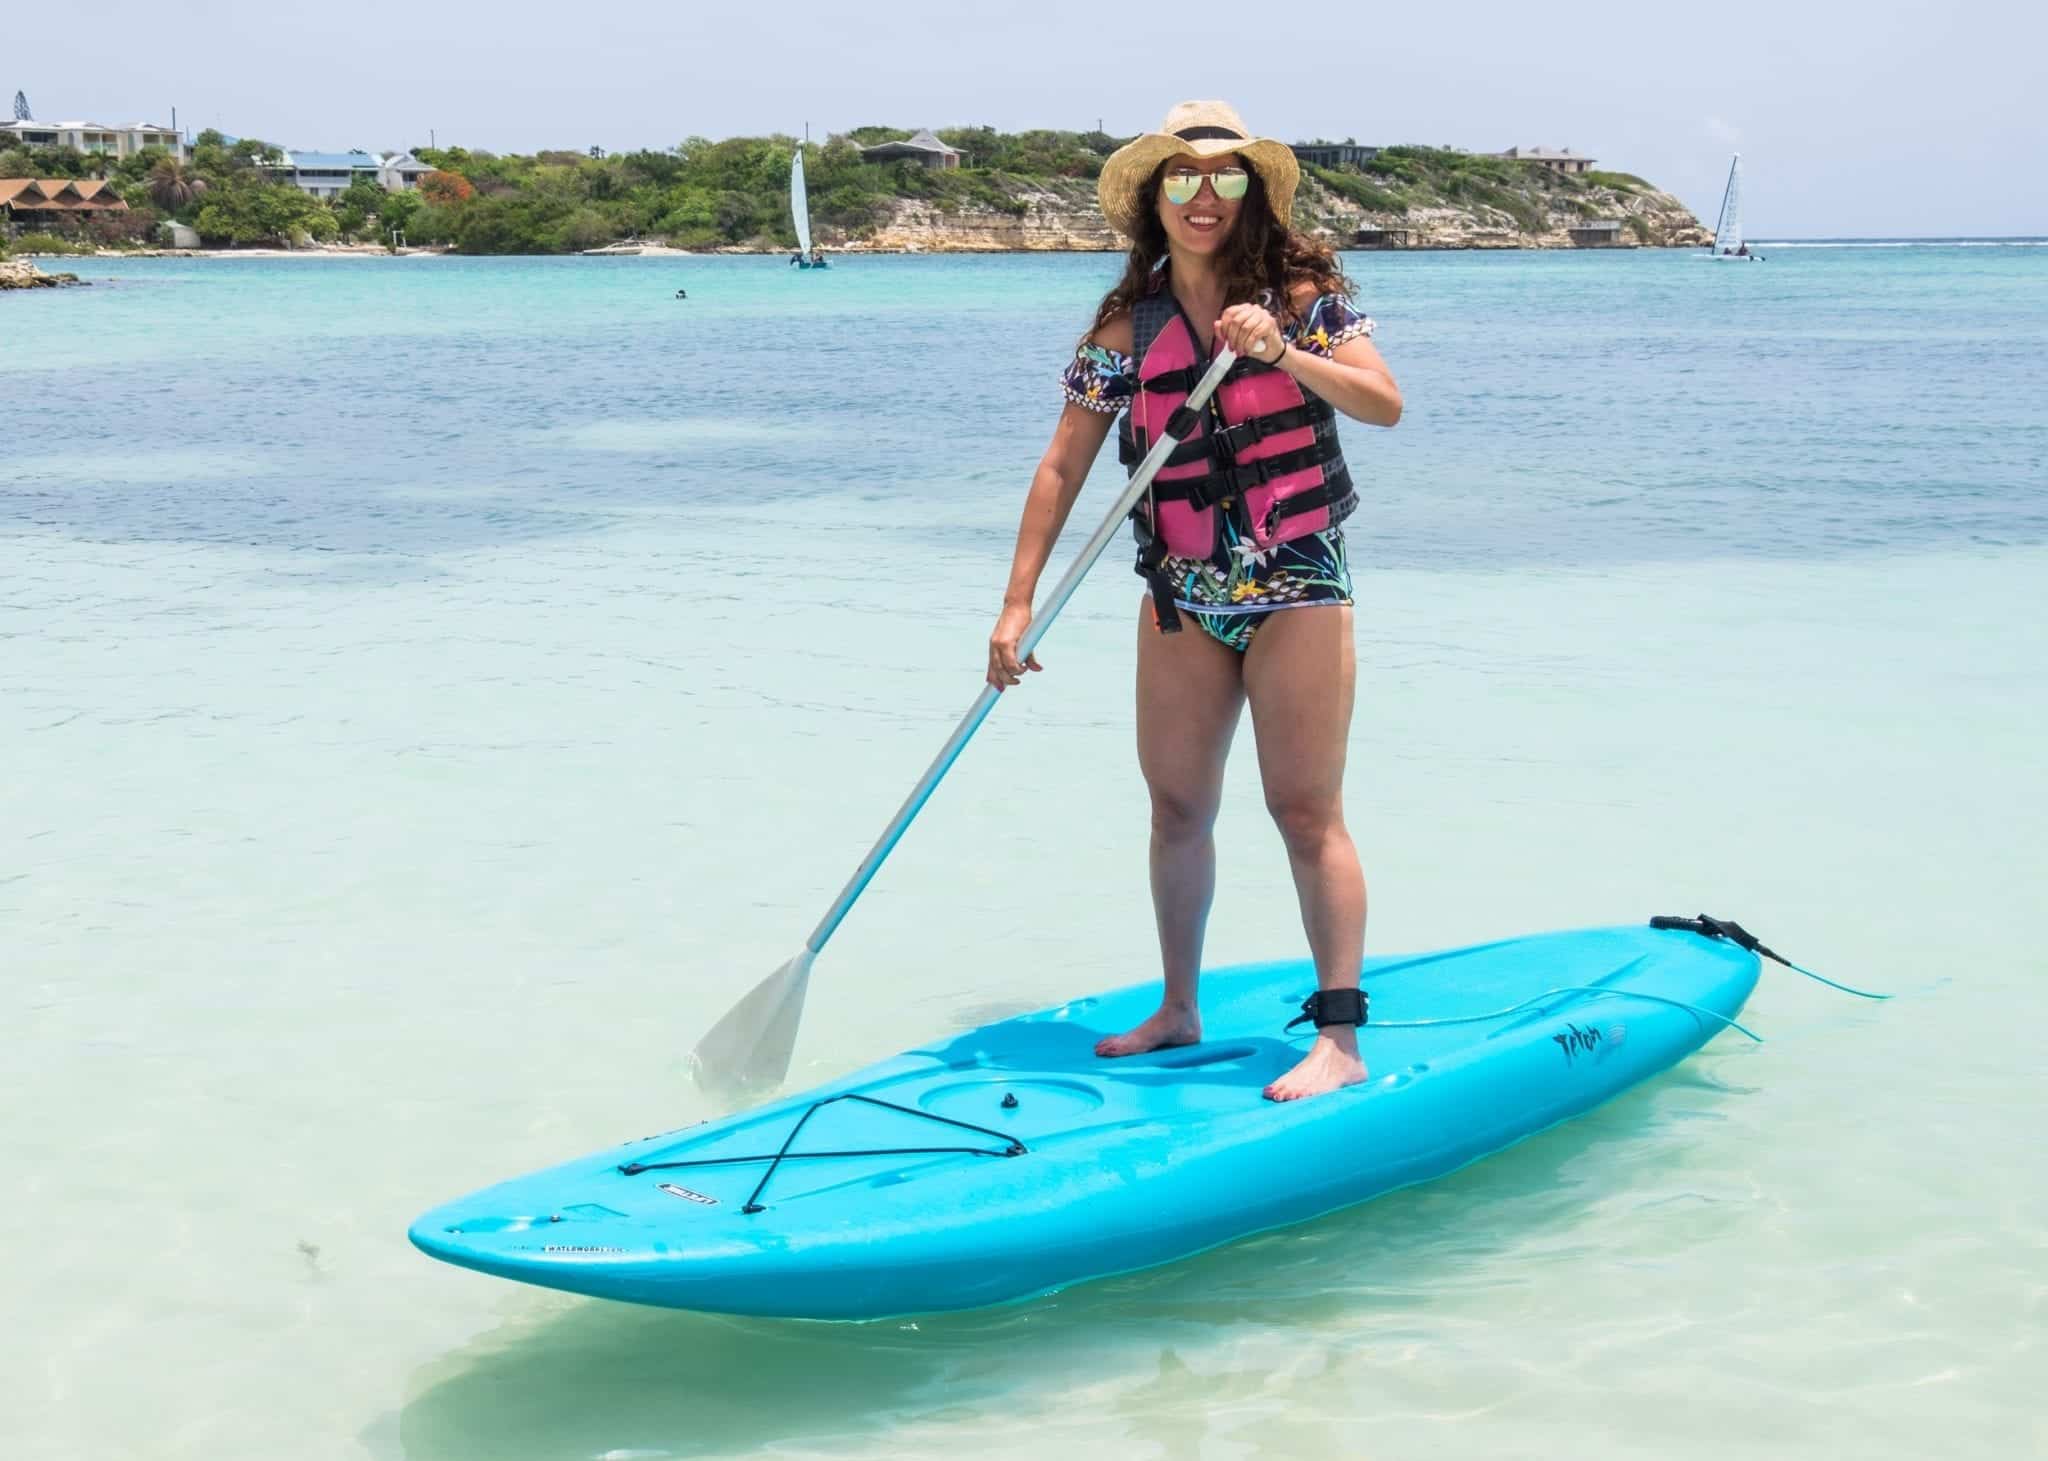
(1231, 593)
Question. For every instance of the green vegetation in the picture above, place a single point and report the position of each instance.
(734, 193)
(221, 190)
(45, 162)
(1347, 183)
(240, 202)
(43, 243)
(1399, 179)
(705, 194)
(90, 231)
(1441, 175)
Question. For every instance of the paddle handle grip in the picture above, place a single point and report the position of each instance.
(1041, 620)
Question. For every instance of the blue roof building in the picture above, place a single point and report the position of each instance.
(325, 174)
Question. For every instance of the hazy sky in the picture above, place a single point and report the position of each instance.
(1882, 117)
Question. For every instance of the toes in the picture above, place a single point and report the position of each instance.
(1146, 1037)
(1311, 1077)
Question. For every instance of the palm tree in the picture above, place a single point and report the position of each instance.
(172, 185)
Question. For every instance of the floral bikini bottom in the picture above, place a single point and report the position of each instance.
(1231, 594)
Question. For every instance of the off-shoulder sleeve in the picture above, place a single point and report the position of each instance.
(1099, 379)
(1330, 321)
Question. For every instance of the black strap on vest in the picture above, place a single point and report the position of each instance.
(1241, 477)
(1180, 382)
(1313, 411)
(1151, 567)
(1335, 493)
(1225, 482)
(1226, 441)
(1150, 314)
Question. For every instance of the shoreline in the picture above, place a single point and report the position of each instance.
(851, 251)
(857, 250)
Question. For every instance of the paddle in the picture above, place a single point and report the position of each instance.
(749, 1048)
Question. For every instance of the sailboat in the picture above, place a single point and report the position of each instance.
(806, 257)
(1728, 242)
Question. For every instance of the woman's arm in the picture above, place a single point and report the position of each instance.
(1075, 443)
(1354, 379)
(1061, 471)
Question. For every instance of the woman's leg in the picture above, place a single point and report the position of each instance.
(1190, 694)
(1299, 674)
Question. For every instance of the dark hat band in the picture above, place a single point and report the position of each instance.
(1209, 134)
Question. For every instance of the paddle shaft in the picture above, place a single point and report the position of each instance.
(1041, 621)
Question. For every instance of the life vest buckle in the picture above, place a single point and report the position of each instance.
(1246, 475)
(1250, 431)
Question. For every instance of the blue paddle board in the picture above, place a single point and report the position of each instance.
(1012, 1161)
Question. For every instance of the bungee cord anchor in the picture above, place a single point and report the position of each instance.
(1011, 1147)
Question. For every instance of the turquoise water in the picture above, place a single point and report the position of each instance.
(431, 689)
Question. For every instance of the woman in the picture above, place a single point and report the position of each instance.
(1240, 534)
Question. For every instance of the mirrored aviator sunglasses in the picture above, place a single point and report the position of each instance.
(1181, 185)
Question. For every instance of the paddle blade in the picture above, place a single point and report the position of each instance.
(749, 1049)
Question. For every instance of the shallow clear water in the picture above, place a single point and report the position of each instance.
(431, 689)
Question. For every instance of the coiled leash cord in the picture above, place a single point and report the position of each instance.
(1593, 989)
(1711, 927)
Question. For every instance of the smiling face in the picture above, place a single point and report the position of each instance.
(1203, 223)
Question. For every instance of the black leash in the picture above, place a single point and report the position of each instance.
(1742, 938)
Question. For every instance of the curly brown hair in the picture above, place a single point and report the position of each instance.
(1262, 255)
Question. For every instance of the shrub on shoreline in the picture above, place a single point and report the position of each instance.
(44, 243)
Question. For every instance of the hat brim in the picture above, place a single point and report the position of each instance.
(1129, 168)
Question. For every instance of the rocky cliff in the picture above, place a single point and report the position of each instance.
(1537, 212)
(23, 274)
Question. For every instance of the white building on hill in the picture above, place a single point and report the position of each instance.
(323, 174)
(1556, 159)
(925, 149)
(92, 137)
(328, 174)
(401, 172)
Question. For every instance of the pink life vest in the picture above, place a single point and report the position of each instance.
(1275, 445)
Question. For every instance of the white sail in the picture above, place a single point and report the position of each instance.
(1728, 232)
(799, 202)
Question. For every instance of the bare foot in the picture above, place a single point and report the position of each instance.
(1331, 1063)
(1170, 1024)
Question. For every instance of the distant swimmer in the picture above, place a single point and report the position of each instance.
(682, 294)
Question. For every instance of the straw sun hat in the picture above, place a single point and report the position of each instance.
(1203, 129)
